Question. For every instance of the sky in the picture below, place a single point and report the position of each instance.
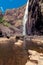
(9, 4)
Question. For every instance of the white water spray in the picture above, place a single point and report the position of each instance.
(25, 19)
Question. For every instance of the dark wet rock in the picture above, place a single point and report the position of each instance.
(1, 35)
(5, 31)
(34, 23)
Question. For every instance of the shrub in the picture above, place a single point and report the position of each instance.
(1, 20)
(4, 22)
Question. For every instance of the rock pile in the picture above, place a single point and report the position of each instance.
(34, 45)
(35, 58)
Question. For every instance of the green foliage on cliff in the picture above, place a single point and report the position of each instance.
(1, 20)
(4, 22)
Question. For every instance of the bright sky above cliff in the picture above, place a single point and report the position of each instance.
(9, 4)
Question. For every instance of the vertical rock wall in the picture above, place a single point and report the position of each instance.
(34, 23)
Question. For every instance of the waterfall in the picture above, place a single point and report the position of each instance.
(25, 19)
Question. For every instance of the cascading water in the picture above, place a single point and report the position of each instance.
(25, 19)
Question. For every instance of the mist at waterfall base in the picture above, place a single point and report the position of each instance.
(9, 4)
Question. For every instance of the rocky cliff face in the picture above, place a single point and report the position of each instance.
(34, 23)
(11, 22)
(14, 15)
